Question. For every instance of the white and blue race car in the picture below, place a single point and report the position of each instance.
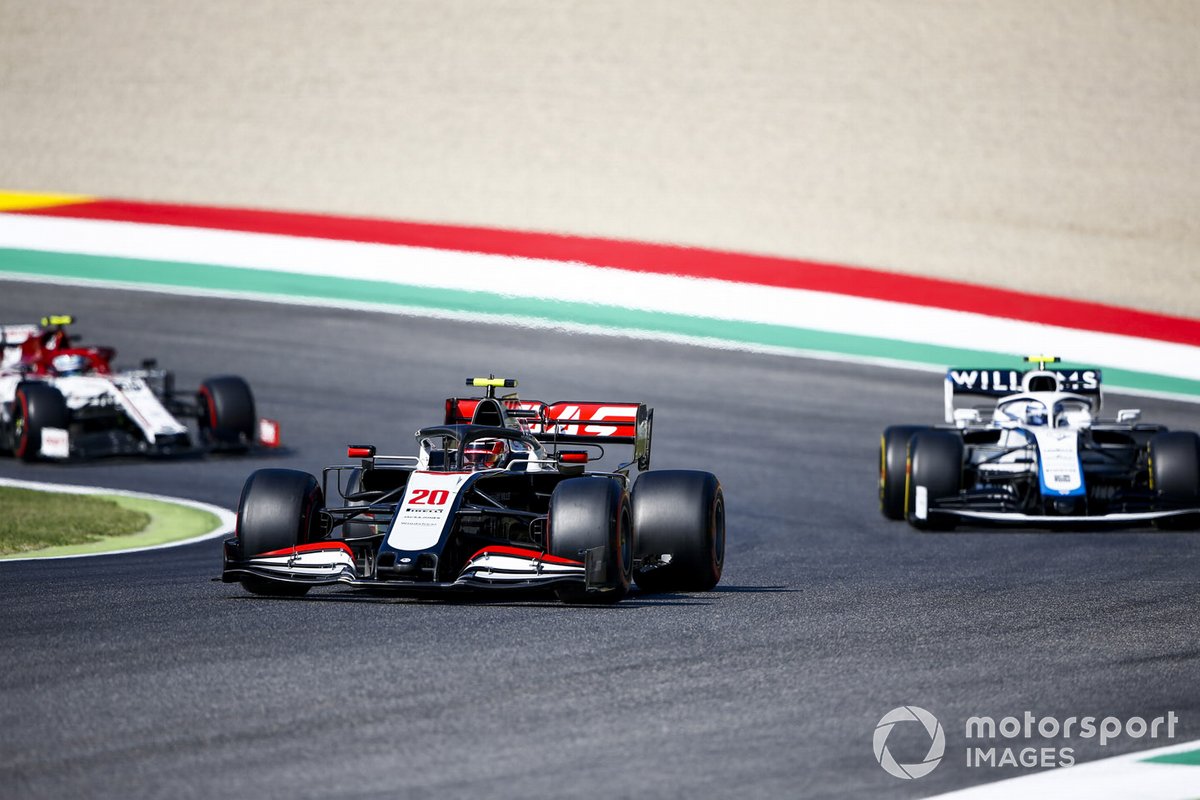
(1036, 452)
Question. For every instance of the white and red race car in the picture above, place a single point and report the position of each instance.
(60, 401)
(492, 501)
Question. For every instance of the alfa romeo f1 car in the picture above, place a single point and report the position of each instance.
(1036, 452)
(497, 497)
(59, 401)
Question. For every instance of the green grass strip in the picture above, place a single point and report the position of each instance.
(39, 524)
(1190, 758)
(32, 520)
(272, 284)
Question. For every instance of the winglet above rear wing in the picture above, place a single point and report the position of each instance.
(995, 383)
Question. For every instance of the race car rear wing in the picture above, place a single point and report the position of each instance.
(563, 422)
(994, 383)
(11, 335)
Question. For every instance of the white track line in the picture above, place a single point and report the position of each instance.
(579, 283)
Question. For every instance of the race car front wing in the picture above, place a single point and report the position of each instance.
(496, 567)
(1050, 520)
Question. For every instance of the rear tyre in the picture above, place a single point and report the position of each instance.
(588, 513)
(680, 514)
(935, 469)
(227, 415)
(1175, 477)
(893, 455)
(277, 511)
(36, 406)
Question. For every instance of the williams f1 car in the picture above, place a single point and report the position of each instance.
(497, 497)
(60, 401)
(1030, 448)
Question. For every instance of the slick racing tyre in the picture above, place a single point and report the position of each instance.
(590, 513)
(278, 510)
(679, 529)
(935, 468)
(893, 454)
(1175, 477)
(36, 406)
(227, 415)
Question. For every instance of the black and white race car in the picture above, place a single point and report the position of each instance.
(59, 400)
(496, 498)
(1037, 453)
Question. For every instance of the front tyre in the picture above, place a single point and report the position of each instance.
(893, 455)
(593, 514)
(1175, 477)
(278, 510)
(36, 407)
(227, 415)
(679, 524)
(935, 472)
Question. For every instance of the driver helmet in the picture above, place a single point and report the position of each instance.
(484, 453)
(1035, 413)
(69, 364)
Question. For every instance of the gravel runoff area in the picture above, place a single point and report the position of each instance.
(1047, 146)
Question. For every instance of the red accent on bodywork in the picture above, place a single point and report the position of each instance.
(504, 550)
(308, 548)
(40, 359)
(460, 411)
(578, 418)
(268, 433)
(592, 419)
(210, 405)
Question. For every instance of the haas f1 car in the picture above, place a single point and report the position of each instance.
(60, 401)
(1029, 448)
(497, 497)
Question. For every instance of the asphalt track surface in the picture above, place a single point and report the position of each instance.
(138, 676)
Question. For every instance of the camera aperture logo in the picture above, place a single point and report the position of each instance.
(1025, 741)
(937, 742)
